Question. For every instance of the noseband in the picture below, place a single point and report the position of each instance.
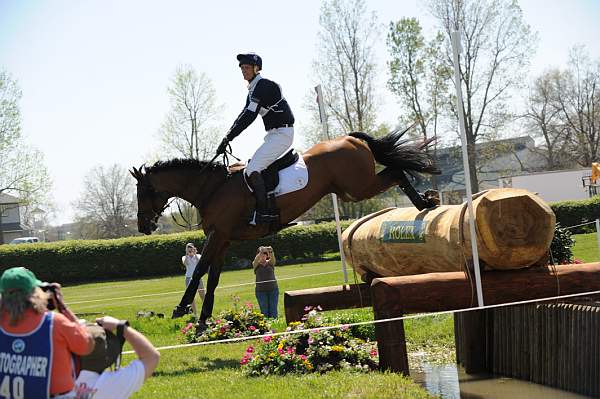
(154, 214)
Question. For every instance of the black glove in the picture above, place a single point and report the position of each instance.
(223, 146)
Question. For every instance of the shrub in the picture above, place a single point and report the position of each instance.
(571, 213)
(319, 350)
(561, 245)
(158, 255)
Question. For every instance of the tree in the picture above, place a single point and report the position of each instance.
(22, 170)
(418, 77)
(190, 128)
(543, 116)
(578, 97)
(107, 205)
(496, 47)
(345, 66)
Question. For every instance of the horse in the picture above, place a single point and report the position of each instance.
(345, 166)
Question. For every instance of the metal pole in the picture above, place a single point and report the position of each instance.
(598, 234)
(463, 136)
(323, 117)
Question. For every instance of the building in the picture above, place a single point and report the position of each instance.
(10, 219)
(495, 159)
(556, 185)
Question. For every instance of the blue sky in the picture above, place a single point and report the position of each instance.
(94, 73)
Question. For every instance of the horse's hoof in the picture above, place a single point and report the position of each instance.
(181, 311)
(200, 328)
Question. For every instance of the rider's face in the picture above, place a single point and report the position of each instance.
(247, 71)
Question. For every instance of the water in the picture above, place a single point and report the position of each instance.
(451, 382)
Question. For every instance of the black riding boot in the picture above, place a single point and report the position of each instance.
(262, 214)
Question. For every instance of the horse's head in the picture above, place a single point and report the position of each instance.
(151, 203)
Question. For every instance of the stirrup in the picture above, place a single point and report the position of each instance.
(262, 218)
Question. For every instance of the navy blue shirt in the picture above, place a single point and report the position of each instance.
(264, 98)
(26, 361)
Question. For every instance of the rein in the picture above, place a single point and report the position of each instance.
(226, 155)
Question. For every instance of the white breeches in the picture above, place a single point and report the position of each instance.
(277, 142)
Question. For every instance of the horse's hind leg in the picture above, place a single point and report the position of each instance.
(399, 177)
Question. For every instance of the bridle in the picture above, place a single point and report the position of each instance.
(153, 214)
(145, 188)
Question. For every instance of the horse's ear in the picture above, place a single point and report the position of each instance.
(134, 173)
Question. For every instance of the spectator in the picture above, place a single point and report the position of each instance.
(96, 382)
(31, 334)
(190, 260)
(267, 291)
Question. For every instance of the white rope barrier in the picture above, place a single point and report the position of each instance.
(218, 288)
(578, 225)
(361, 323)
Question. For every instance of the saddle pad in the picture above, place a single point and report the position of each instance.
(292, 178)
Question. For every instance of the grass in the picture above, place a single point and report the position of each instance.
(213, 371)
(586, 247)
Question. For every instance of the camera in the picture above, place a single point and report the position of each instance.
(47, 287)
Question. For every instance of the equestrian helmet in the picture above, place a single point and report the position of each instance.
(250, 59)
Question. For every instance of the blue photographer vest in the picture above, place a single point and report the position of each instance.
(26, 361)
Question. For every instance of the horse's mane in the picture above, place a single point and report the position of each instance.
(185, 163)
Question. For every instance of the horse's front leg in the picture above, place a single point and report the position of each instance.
(214, 273)
(208, 254)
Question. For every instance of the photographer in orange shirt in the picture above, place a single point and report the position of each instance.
(37, 345)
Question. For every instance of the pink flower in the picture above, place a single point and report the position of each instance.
(218, 321)
(344, 327)
(303, 357)
(310, 340)
(280, 350)
(249, 305)
(373, 352)
(577, 261)
(222, 330)
(267, 339)
(238, 334)
(307, 308)
(250, 349)
(244, 360)
(290, 350)
(187, 328)
(252, 328)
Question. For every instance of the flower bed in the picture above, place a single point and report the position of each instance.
(241, 321)
(318, 350)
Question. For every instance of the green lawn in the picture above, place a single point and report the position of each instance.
(213, 371)
(586, 247)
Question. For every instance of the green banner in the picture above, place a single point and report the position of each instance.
(403, 231)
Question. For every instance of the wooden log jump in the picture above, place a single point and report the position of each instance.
(396, 296)
(329, 298)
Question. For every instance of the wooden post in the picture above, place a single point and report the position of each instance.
(395, 296)
(329, 298)
(391, 341)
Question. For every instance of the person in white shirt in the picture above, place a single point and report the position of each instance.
(94, 382)
(190, 260)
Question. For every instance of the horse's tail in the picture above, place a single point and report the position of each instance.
(397, 153)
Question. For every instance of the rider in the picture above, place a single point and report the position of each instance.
(264, 98)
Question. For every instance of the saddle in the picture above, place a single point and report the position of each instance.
(271, 174)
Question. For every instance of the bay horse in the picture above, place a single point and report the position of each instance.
(345, 166)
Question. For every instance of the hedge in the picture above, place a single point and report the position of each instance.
(159, 255)
(571, 213)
